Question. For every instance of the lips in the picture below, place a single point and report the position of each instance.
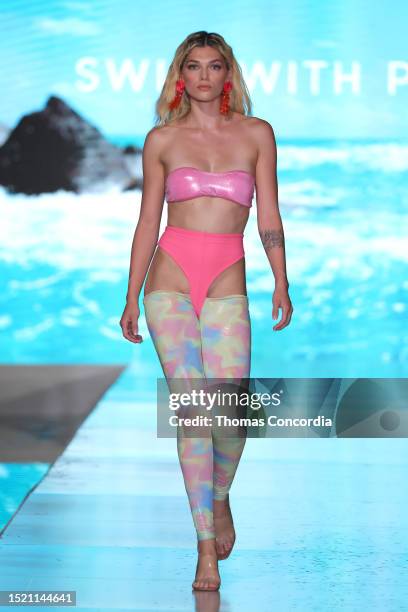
(204, 87)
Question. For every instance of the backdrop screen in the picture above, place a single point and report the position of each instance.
(79, 81)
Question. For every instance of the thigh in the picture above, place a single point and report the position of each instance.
(166, 274)
(175, 332)
(226, 337)
(230, 281)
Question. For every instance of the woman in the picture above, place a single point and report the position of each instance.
(205, 155)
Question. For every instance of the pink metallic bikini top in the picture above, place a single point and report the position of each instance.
(186, 182)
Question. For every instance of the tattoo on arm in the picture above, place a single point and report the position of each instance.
(272, 238)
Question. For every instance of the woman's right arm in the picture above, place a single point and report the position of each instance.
(146, 233)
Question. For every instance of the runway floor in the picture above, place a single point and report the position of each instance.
(321, 524)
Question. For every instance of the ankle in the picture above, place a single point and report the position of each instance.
(222, 499)
(206, 546)
(221, 507)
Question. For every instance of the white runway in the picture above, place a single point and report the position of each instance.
(321, 524)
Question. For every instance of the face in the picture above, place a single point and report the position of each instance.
(204, 66)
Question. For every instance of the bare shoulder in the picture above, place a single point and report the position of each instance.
(261, 128)
(260, 131)
(155, 137)
(156, 142)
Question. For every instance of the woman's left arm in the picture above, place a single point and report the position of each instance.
(269, 220)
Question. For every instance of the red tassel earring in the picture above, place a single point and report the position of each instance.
(180, 85)
(225, 98)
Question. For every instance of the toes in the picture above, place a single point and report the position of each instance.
(206, 584)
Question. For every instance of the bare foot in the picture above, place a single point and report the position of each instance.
(224, 528)
(207, 577)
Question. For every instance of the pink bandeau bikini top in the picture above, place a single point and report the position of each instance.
(186, 182)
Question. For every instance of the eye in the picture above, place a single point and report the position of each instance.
(218, 66)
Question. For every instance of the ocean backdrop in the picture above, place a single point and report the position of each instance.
(64, 268)
(65, 258)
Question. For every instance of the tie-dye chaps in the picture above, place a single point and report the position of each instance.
(215, 345)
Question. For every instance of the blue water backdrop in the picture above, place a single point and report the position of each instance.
(65, 259)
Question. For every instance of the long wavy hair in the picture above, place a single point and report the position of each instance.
(239, 97)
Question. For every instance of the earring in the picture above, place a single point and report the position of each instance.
(225, 98)
(180, 85)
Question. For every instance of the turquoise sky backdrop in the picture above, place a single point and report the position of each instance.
(129, 45)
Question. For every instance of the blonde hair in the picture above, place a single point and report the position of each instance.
(239, 97)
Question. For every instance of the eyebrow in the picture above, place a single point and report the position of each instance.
(198, 61)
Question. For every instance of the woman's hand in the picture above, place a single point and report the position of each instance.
(128, 322)
(281, 300)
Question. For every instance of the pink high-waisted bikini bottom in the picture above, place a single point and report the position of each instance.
(202, 256)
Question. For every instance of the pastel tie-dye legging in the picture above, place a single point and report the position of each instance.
(216, 345)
